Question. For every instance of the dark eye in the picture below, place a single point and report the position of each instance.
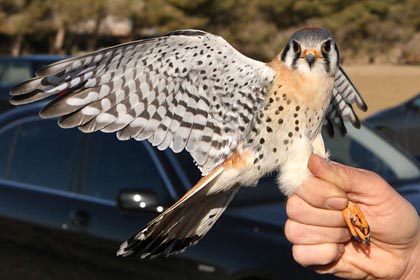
(326, 47)
(296, 47)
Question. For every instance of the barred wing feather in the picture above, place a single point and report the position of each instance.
(186, 90)
(345, 95)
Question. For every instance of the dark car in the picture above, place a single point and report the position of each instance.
(14, 70)
(68, 199)
(401, 124)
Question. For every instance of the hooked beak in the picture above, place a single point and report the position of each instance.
(311, 56)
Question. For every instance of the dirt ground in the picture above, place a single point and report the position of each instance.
(383, 86)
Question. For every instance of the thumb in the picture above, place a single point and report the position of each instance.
(349, 179)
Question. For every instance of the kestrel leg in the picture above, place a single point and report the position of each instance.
(353, 216)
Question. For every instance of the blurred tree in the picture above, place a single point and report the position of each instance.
(19, 18)
(66, 15)
(370, 31)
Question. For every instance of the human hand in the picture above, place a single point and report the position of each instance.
(321, 239)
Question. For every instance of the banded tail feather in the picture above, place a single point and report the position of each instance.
(183, 224)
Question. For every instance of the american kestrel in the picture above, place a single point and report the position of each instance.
(238, 118)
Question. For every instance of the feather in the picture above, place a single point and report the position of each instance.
(345, 94)
(179, 227)
(164, 89)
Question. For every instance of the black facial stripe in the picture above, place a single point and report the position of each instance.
(337, 52)
(284, 53)
(327, 63)
(295, 58)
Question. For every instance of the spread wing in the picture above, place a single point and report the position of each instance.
(186, 90)
(345, 95)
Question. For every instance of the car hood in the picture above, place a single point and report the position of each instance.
(271, 213)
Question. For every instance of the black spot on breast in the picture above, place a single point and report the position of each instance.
(261, 156)
(274, 150)
(295, 115)
(262, 140)
(297, 108)
(269, 129)
(280, 121)
(296, 128)
(268, 119)
(271, 100)
(290, 134)
(285, 142)
(296, 122)
(280, 108)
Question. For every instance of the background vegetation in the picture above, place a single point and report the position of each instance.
(367, 31)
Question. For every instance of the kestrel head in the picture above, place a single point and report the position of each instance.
(311, 50)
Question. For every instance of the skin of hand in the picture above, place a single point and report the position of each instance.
(321, 240)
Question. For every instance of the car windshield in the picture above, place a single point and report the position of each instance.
(361, 148)
(13, 72)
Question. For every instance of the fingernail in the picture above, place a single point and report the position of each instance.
(337, 203)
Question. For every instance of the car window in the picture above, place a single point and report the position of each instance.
(12, 72)
(42, 155)
(113, 165)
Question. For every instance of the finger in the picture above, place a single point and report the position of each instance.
(322, 194)
(342, 268)
(347, 178)
(300, 211)
(320, 254)
(301, 234)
